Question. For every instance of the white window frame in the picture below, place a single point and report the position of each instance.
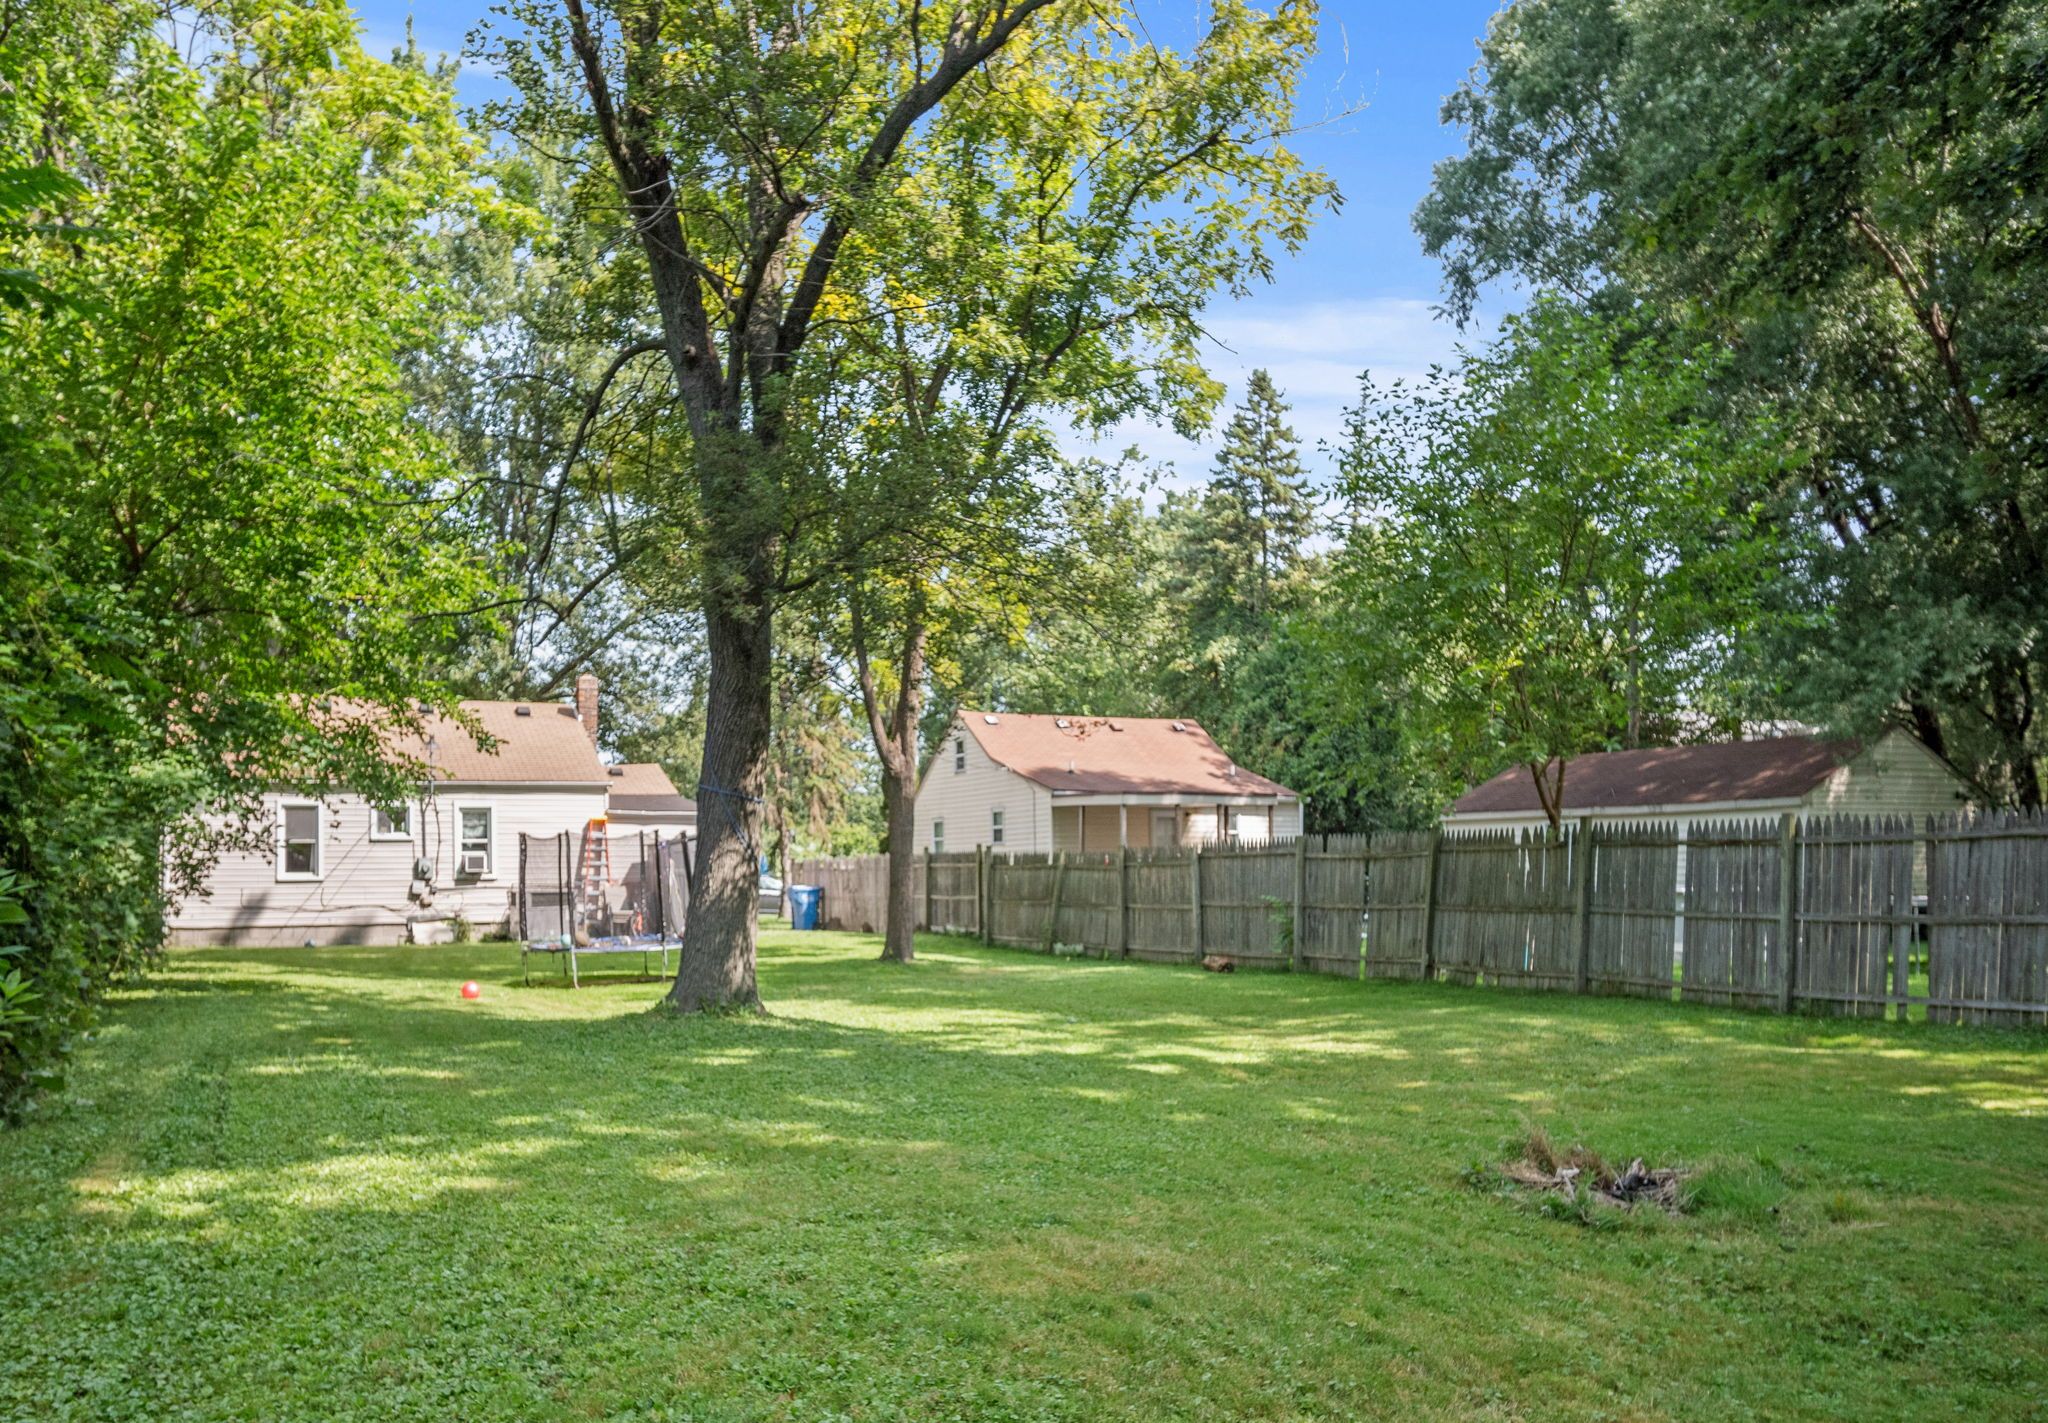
(995, 826)
(490, 840)
(959, 755)
(939, 837)
(319, 870)
(381, 829)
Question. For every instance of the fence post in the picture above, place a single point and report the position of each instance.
(1300, 893)
(1901, 904)
(1436, 840)
(1052, 915)
(1123, 874)
(1195, 896)
(1788, 908)
(1582, 908)
(981, 892)
(927, 889)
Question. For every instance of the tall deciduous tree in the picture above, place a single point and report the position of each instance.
(1845, 195)
(224, 561)
(792, 167)
(1547, 545)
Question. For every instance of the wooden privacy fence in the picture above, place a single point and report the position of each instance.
(1842, 915)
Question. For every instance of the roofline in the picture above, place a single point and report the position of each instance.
(473, 784)
(960, 717)
(1170, 798)
(1594, 812)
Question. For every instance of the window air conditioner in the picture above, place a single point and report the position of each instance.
(475, 862)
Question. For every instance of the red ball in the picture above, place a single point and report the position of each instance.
(470, 990)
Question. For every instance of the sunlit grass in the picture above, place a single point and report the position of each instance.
(316, 1184)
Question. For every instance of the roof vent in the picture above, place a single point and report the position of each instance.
(1061, 722)
(615, 770)
(989, 717)
(1180, 726)
(522, 711)
(1232, 771)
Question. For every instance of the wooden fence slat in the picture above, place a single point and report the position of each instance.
(1816, 914)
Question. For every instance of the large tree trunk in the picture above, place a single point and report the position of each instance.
(899, 797)
(717, 968)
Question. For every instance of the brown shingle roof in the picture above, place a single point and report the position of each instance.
(1094, 755)
(644, 785)
(1783, 768)
(548, 744)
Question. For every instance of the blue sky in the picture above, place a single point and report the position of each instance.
(1361, 294)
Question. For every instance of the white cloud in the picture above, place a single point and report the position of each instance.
(1315, 352)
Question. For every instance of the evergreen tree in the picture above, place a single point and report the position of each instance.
(1257, 511)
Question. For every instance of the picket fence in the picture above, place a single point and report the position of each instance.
(1845, 915)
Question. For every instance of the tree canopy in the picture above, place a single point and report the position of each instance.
(1845, 196)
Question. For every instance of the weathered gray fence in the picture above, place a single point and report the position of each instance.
(1825, 915)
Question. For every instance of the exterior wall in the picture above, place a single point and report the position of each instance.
(361, 896)
(626, 830)
(1287, 820)
(1897, 776)
(1101, 827)
(1066, 827)
(965, 799)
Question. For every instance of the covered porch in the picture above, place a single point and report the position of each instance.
(1096, 823)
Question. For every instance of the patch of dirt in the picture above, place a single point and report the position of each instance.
(1582, 1177)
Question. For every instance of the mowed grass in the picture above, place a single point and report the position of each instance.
(317, 1185)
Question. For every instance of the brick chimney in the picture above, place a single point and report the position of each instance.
(586, 704)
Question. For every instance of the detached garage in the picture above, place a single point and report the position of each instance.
(1680, 785)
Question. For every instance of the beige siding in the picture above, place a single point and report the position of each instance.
(1198, 825)
(362, 895)
(1140, 827)
(965, 801)
(625, 826)
(1101, 828)
(1066, 827)
(1897, 776)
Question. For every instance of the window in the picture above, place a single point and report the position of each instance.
(298, 840)
(394, 824)
(1165, 829)
(995, 827)
(959, 754)
(475, 855)
(938, 837)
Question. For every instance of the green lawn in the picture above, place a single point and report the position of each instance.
(317, 1185)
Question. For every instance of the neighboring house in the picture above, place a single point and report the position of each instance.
(339, 870)
(644, 799)
(1681, 785)
(1048, 783)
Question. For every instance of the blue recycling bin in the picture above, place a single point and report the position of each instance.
(803, 906)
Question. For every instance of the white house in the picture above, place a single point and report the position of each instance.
(339, 870)
(1892, 775)
(1049, 783)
